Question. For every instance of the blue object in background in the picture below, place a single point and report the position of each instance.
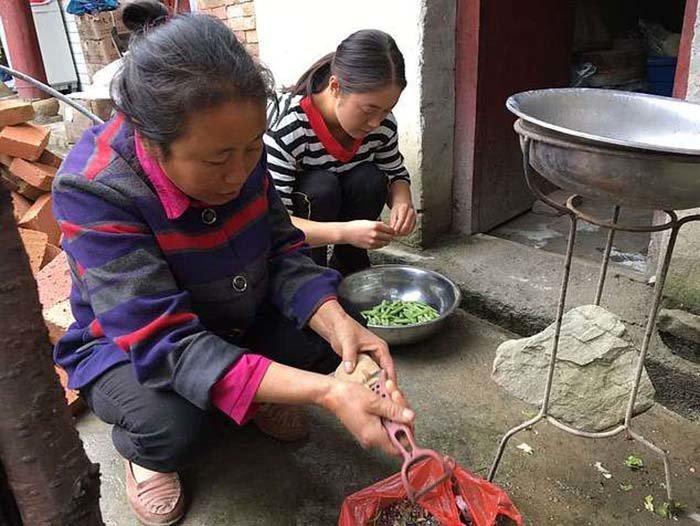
(82, 7)
(661, 72)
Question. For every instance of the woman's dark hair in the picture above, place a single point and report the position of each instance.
(366, 61)
(179, 65)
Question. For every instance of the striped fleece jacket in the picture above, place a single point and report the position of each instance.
(171, 295)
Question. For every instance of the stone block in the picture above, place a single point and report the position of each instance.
(593, 376)
(680, 324)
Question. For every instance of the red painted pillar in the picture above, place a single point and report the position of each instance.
(680, 87)
(23, 45)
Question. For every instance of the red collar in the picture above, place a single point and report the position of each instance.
(174, 201)
(329, 142)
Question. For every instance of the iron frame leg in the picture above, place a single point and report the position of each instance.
(574, 215)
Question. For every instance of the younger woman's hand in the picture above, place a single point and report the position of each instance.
(369, 235)
(403, 218)
(360, 410)
(403, 214)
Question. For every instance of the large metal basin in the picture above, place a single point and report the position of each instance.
(630, 149)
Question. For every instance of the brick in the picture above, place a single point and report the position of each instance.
(253, 49)
(240, 36)
(248, 8)
(35, 246)
(54, 282)
(234, 11)
(210, 4)
(15, 184)
(58, 319)
(50, 158)
(6, 160)
(102, 51)
(40, 217)
(15, 112)
(76, 405)
(36, 174)
(251, 37)
(52, 252)
(45, 109)
(24, 140)
(242, 23)
(95, 27)
(75, 124)
(20, 205)
(101, 107)
(219, 12)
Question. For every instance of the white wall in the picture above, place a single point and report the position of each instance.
(293, 34)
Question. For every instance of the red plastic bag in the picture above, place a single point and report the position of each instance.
(486, 501)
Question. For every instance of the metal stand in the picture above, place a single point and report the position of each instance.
(572, 210)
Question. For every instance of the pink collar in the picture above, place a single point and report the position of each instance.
(174, 201)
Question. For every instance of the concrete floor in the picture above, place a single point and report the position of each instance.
(245, 478)
(549, 233)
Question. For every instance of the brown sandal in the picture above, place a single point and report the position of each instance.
(287, 423)
(158, 501)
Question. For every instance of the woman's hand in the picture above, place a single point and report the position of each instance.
(360, 411)
(403, 215)
(350, 338)
(369, 235)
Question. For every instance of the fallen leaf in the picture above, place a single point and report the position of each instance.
(524, 447)
(529, 413)
(649, 503)
(662, 510)
(634, 462)
(624, 486)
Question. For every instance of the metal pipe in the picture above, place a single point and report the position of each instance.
(53, 93)
(651, 323)
(606, 257)
(664, 457)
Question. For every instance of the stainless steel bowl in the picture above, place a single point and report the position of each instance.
(630, 149)
(367, 288)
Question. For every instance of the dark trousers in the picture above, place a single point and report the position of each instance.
(325, 196)
(157, 429)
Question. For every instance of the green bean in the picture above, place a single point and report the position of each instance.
(399, 313)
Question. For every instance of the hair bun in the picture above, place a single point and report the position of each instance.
(140, 14)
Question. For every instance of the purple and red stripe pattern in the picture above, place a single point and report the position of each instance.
(159, 292)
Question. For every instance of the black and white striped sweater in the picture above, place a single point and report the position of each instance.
(298, 141)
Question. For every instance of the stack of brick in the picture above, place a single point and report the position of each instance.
(27, 168)
(96, 42)
(239, 15)
(76, 123)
